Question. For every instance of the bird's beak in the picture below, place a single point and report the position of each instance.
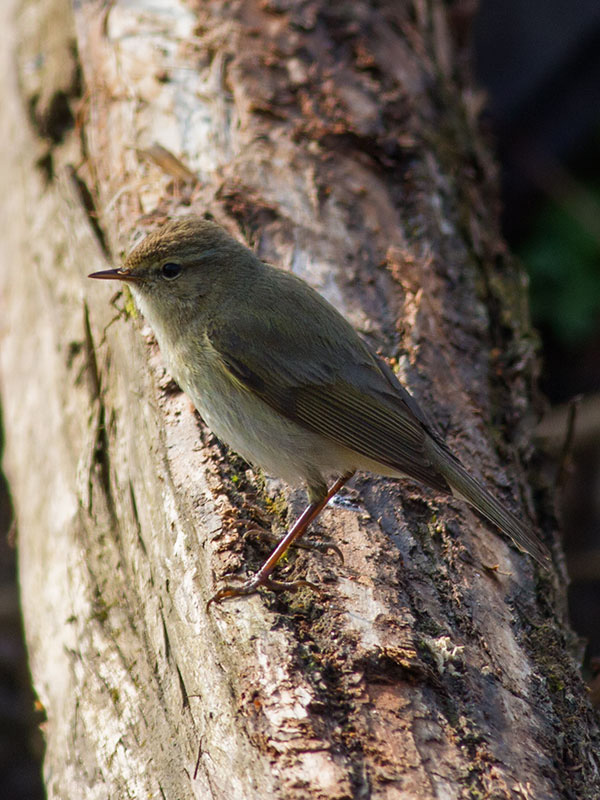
(114, 274)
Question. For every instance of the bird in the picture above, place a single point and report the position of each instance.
(280, 376)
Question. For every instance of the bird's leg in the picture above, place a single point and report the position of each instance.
(263, 576)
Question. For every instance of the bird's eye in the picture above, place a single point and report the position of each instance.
(170, 270)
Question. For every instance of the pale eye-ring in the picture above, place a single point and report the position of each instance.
(170, 270)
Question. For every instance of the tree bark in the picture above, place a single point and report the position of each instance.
(340, 141)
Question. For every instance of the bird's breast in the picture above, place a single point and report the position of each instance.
(260, 434)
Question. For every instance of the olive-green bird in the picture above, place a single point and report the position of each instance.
(282, 378)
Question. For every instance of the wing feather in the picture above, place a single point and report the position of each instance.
(346, 397)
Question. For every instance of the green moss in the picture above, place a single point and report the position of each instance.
(129, 305)
(99, 608)
(277, 506)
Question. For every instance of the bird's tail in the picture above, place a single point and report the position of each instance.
(467, 488)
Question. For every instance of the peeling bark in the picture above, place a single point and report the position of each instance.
(341, 141)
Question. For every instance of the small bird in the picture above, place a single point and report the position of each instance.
(283, 379)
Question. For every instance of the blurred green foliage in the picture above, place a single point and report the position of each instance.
(562, 255)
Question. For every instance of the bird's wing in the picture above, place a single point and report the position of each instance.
(341, 393)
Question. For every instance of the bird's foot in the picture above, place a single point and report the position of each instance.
(252, 585)
(270, 538)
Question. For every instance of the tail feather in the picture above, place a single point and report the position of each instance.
(469, 489)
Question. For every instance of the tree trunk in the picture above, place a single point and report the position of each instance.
(340, 141)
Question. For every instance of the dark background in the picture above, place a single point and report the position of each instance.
(539, 61)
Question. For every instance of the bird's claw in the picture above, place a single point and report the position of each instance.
(323, 547)
(252, 585)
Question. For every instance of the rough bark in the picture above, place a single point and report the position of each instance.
(341, 141)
